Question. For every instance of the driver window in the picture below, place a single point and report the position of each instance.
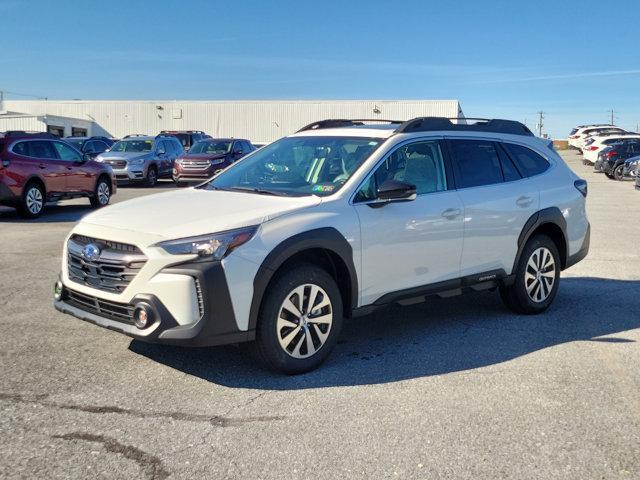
(161, 148)
(420, 164)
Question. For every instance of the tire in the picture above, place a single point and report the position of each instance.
(152, 177)
(609, 176)
(618, 172)
(284, 338)
(102, 194)
(533, 292)
(33, 201)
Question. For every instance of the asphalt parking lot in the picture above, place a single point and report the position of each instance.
(454, 388)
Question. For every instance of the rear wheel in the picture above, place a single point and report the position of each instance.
(537, 277)
(300, 320)
(102, 195)
(152, 176)
(618, 172)
(33, 200)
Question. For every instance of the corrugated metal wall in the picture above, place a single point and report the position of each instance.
(260, 121)
(32, 124)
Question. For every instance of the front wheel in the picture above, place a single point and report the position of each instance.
(537, 276)
(299, 321)
(152, 177)
(102, 195)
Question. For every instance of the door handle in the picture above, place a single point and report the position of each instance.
(69, 168)
(524, 201)
(451, 213)
(42, 166)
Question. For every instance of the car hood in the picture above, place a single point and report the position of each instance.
(122, 155)
(195, 211)
(203, 156)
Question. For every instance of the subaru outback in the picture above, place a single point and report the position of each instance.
(36, 168)
(336, 220)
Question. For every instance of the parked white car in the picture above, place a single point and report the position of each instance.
(578, 137)
(339, 219)
(591, 151)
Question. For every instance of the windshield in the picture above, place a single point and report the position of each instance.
(132, 146)
(211, 147)
(298, 166)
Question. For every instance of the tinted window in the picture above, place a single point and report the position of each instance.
(21, 148)
(41, 149)
(477, 163)
(529, 162)
(65, 152)
(160, 147)
(509, 170)
(418, 164)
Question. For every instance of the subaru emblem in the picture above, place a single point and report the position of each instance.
(91, 252)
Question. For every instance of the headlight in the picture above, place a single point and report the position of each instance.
(214, 246)
(217, 161)
(178, 160)
(136, 161)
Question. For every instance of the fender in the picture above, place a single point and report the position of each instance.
(551, 215)
(327, 238)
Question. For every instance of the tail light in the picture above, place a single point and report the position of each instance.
(581, 186)
(592, 148)
(611, 153)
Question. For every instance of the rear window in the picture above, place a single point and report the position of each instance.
(574, 131)
(528, 162)
(477, 163)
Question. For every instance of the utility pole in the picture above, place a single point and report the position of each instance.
(1, 100)
(612, 116)
(540, 122)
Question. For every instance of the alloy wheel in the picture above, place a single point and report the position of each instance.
(34, 200)
(540, 275)
(103, 193)
(304, 321)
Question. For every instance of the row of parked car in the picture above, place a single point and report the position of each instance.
(37, 167)
(610, 149)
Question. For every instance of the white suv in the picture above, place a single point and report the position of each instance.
(341, 218)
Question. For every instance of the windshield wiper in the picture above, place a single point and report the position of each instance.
(259, 191)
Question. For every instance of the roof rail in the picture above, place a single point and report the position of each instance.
(337, 123)
(424, 124)
(27, 133)
(132, 135)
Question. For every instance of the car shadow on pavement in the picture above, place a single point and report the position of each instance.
(438, 337)
(52, 214)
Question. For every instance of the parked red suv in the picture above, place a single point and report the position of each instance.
(36, 168)
(208, 157)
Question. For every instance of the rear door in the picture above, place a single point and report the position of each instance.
(47, 164)
(497, 201)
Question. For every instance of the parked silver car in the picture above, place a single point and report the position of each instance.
(141, 158)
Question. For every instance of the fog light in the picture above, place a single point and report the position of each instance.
(142, 316)
(57, 290)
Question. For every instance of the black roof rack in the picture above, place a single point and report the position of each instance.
(27, 133)
(337, 123)
(133, 135)
(495, 125)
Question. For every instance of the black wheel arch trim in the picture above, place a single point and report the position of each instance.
(326, 238)
(551, 215)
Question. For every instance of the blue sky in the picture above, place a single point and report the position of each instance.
(500, 58)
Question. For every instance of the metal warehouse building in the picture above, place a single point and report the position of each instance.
(260, 121)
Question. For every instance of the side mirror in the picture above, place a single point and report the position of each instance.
(396, 191)
(237, 152)
(86, 157)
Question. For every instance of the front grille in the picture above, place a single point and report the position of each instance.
(117, 163)
(111, 270)
(121, 312)
(195, 164)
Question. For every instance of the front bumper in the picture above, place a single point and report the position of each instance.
(216, 324)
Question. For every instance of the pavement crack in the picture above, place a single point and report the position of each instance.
(215, 420)
(150, 464)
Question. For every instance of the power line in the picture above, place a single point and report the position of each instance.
(40, 97)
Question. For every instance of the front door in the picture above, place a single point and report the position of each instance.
(412, 243)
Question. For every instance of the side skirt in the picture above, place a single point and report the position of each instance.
(448, 288)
